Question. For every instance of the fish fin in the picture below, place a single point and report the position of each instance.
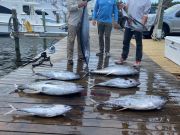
(87, 73)
(44, 88)
(91, 84)
(109, 73)
(33, 71)
(32, 91)
(95, 104)
(13, 109)
(15, 90)
(93, 101)
(122, 109)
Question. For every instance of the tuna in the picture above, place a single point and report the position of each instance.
(43, 110)
(120, 70)
(135, 102)
(60, 75)
(49, 88)
(84, 35)
(120, 83)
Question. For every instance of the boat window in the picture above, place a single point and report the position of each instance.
(26, 9)
(5, 10)
(39, 12)
(178, 14)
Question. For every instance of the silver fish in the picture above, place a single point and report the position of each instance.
(120, 70)
(120, 83)
(135, 102)
(84, 35)
(45, 87)
(43, 110)
(60, 75)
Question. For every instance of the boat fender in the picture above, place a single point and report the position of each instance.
(28, 26)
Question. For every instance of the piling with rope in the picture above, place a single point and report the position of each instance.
(15, 34)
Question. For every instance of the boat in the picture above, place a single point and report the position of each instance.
(57, 7)
(28, 18)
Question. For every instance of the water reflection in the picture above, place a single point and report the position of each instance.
(103, 62)
(58, 120)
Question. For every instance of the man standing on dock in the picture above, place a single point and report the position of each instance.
(104, 12)
(75, 10)
(138, 10)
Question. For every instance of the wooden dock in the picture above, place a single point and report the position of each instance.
(84, 119)
(155, 50)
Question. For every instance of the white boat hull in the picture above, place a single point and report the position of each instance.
(4, 28)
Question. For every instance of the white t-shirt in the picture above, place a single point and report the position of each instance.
(138, 8)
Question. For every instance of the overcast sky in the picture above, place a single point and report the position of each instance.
(158, 0)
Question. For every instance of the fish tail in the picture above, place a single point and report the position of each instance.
(13, 109)
(87, 73)
(32, 68)
(89, 83)
(109, 73)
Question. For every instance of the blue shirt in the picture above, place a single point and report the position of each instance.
(104, 11)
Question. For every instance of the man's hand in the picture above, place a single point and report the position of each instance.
(93, 22)
(116, 25)
(82, 4)
(144, 20)
(121, 5)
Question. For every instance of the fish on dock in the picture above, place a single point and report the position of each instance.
(49, 88)
(43, 110)
(119, 70)
(59, 75)
(134, 102)
(120, 83)
(84, 35)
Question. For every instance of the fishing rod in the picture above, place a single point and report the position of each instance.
(133, 23)
(42, 59)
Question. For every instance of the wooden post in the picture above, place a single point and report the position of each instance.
(44, 20)
(157, 32)
(44, 44)
(16, 35)
(57, 17)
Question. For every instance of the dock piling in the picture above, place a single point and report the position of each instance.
(44, 20)
(16, 35)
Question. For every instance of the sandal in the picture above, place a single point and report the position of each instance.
(120, 62)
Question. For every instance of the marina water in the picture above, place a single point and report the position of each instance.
(29, 48)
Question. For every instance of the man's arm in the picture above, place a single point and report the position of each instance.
(115, 12)
(74, 6)
(146, 12)
(124, 6)
(94, 17)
